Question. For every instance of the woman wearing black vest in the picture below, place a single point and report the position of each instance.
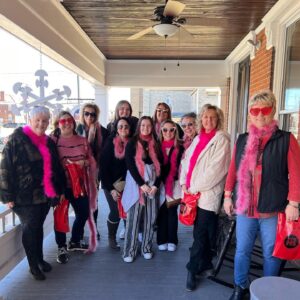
(265, 173)
(167, 220)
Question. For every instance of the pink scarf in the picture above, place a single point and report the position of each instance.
(187, 141)
(119, 146)
(140, 153)
(203, 140)
(41, 143)
(169, 183)
(248, 164)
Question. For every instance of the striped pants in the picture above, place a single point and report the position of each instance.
(134, 215)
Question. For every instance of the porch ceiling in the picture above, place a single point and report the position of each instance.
(217, 26)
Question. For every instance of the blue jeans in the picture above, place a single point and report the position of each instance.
(246, 232)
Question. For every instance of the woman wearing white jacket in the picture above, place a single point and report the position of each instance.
(203, 170)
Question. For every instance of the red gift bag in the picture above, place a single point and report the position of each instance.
(122, 213)
(77, 178)
(287, 244)
(188, 209)
(61, 216)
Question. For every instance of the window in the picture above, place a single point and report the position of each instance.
(290, 105)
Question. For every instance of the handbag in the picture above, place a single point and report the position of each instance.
(171, 202)
(188, 209)
(77, 177)
(119, 185)
(287, 243)
(61, 216)
(122, 213)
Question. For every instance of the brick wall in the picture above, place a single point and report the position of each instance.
(261, 71)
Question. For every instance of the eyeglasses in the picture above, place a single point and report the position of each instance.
(170, 129)
(184, 125)
(123, 127)
(265, 111)
(164, 111)
(87, 113)
(66, 121)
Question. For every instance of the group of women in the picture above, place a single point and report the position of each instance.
(145, 166)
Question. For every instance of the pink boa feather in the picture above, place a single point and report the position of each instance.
(119, 147)
(41, 143)
(248, 165)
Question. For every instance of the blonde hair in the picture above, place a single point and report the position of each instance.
(176, 138)
(92, 106)
(266, 96)
(219, 112)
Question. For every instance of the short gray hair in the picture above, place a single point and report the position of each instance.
(219, 112)
(39, 110)
(263, 96)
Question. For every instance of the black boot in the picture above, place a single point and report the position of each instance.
(190, 281)
(36, 273)
(95, 219)
(112, 231)
(238, 293)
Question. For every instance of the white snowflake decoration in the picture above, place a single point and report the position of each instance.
(42, 100)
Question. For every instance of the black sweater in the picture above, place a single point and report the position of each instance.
(130, 153)
(111, 168)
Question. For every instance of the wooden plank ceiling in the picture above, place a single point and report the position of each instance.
(216, 25)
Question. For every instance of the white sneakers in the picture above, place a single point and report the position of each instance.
(128, 259)
(148, 255)
(172, 247)
(163, 247)
(122, 234)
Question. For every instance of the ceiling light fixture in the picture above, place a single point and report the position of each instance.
(165, 30)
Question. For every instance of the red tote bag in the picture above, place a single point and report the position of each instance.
(122, 213)
(188, 209)
(287, 244)
(61, 216)
(76, 175)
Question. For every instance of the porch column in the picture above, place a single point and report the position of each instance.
(101, 99)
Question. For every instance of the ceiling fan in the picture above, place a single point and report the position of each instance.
(170, 21)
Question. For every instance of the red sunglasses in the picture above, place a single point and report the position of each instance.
(265, 111)
(66, 121)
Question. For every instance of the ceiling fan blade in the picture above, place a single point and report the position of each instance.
(173, 8)
(203, 21)
(129, 19)
(140, 34)
(184, 34)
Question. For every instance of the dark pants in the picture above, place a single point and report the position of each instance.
(204, 239)
(113, 216)
(32, 218)
(167, 225)
(82, 210)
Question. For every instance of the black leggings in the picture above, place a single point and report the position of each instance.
(81, 209)
(113, 215)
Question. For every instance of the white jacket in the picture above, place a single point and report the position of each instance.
(210, 171)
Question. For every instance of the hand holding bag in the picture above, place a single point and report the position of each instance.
(287, 244)
(188, 209)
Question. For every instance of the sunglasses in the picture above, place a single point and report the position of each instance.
(265, 111)
(66, 121)
(123, 127)
(165, 111)
(86, 114)
(170, 130)
(184, 125)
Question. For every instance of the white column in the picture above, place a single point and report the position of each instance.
(101, 99)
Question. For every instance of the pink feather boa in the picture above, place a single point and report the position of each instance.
(93, 195)
(119, 147)
(248, 164)
(139, 158)
(41, 143)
